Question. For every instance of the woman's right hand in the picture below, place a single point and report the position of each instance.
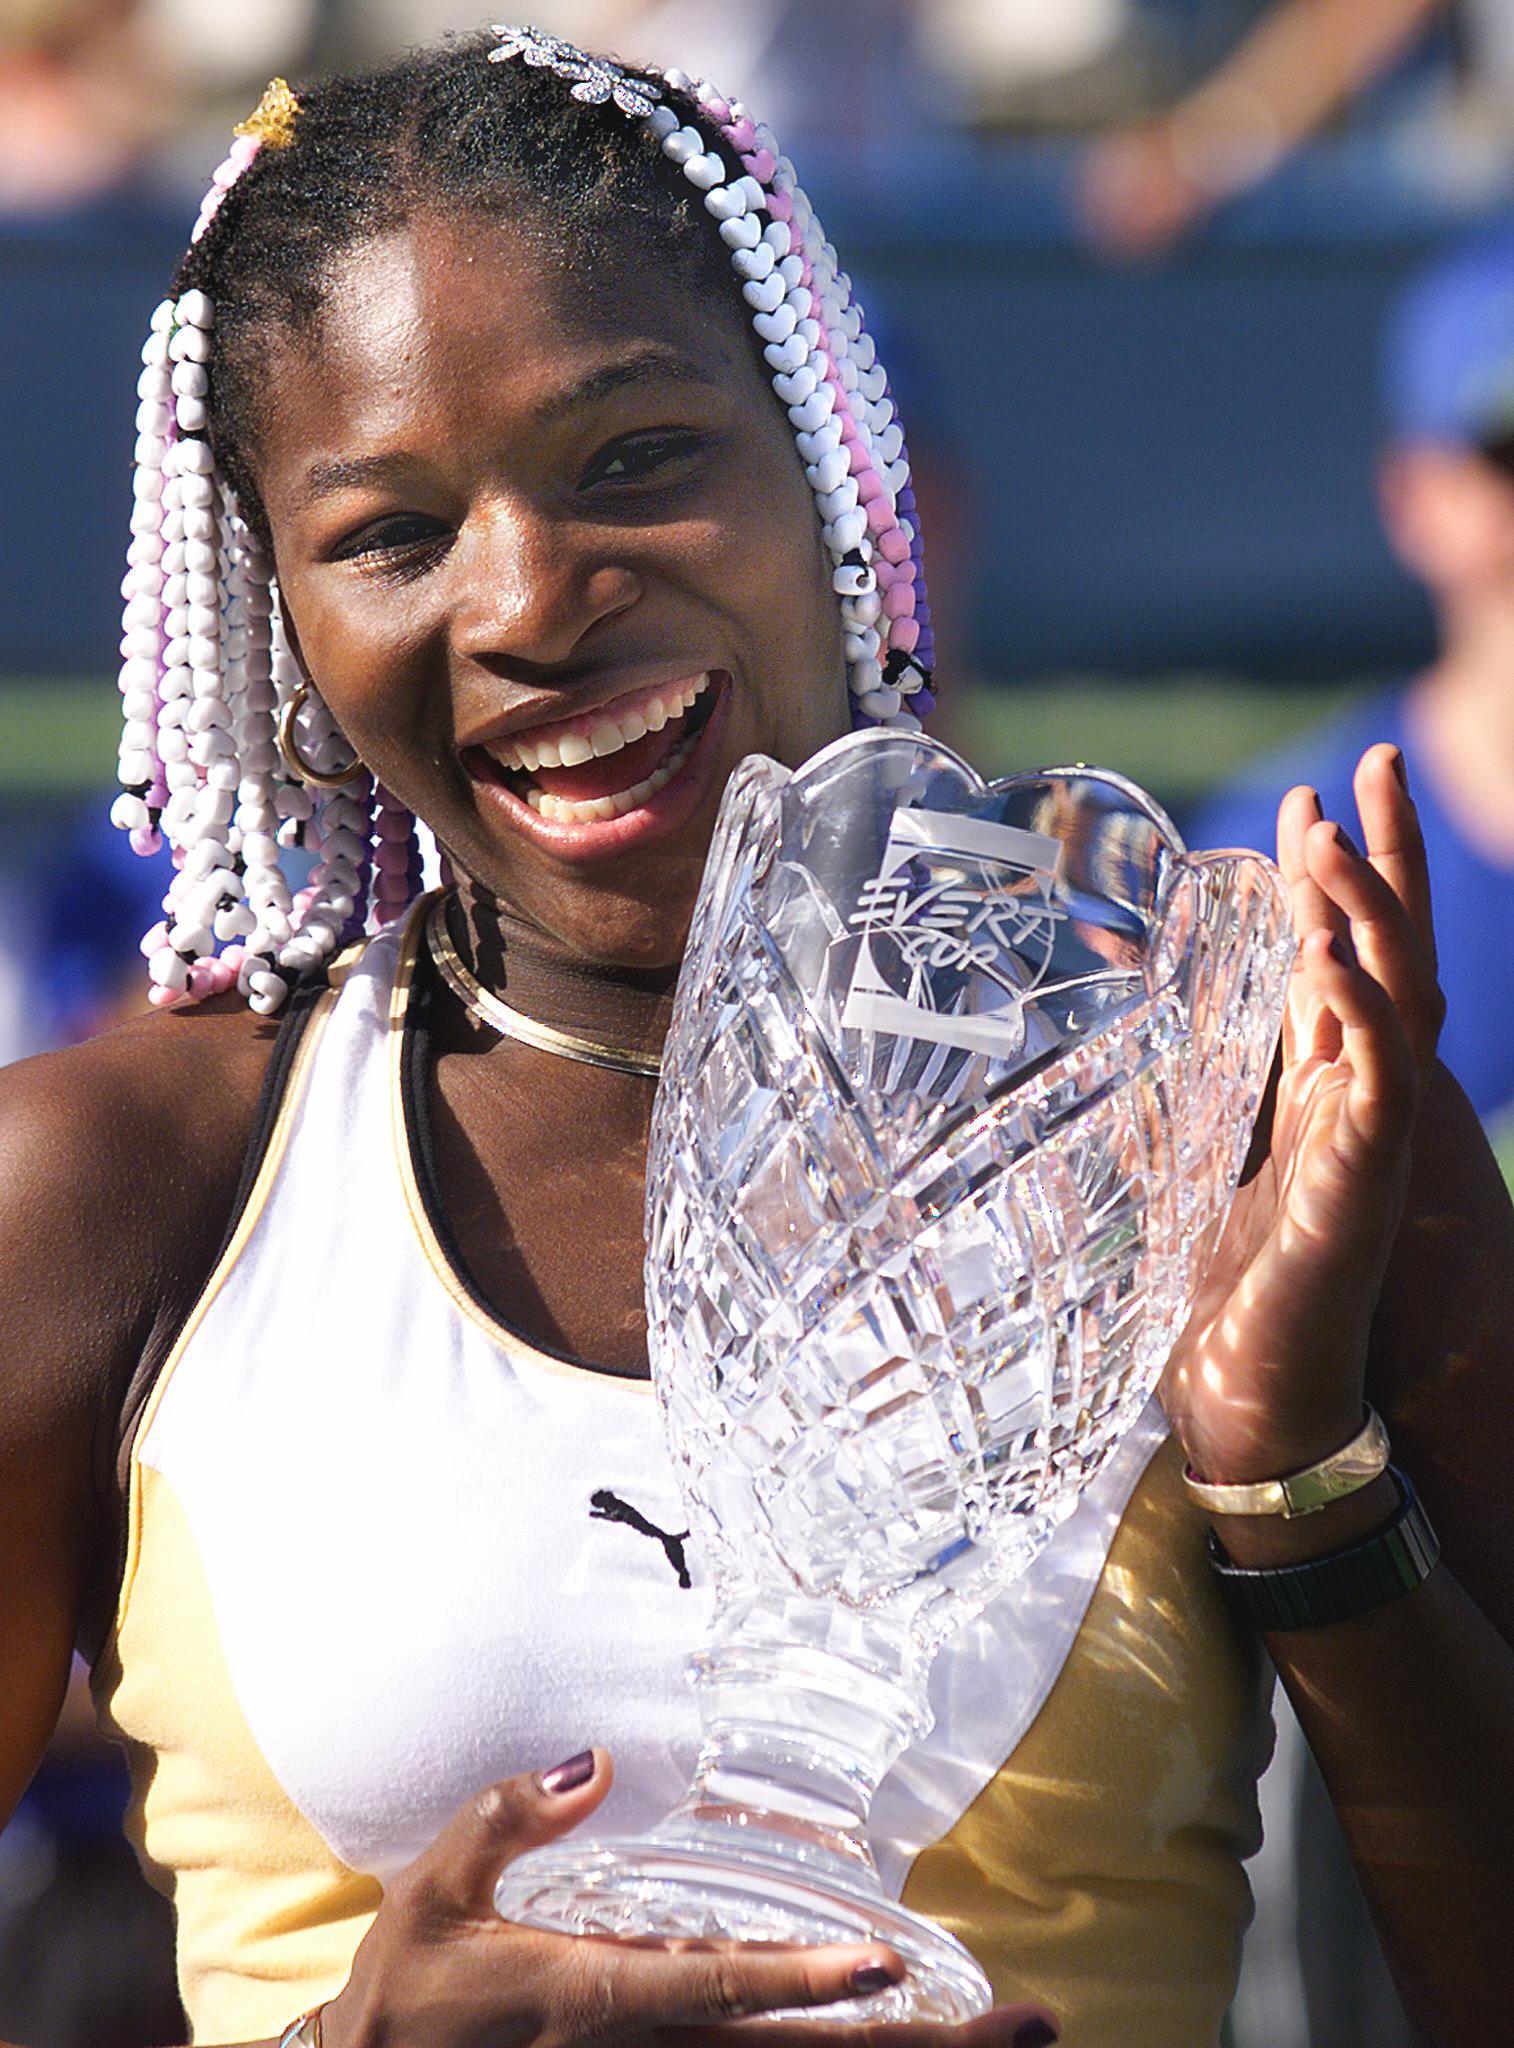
(440, 1969)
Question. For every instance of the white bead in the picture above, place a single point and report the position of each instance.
(261, 757)
(880, 703)
(190, 380)
(140, 643)
(140, 704)
(763, 294)
(153, 417)
(663, 122)
(200, 521)
(138, 734)
(683, 145)
(190, 345)
(147, 484)
(756, 197)
(262, 848)
(265, 992)
(234, 922)
(906, 722)
(195, 310)
(214, 806)
(815, 410)
(172, 745)
(791, 270)
(192, 938)
(195, 458)
(183, 779)
(192, 414)
(155, 348)
(862, 646)
(275, 921)
(135, 766)
(153, 384)
(704, 171)
(145, 548)
(742, 233)
(204, 618)
(786, 356)
(830, 470)
(129, 814)
(166, 970)
(756, 262)
(149, 451)
(847, 371)
(866, 608)
(845, 533)
(162, 316)
(294, 802)
(205, 713)
(199, 557)
(725, 202)
(864, 351)
(832, 504)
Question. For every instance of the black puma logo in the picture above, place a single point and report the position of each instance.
(605, 1506)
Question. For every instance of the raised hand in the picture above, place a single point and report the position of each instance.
(440, 1969)
(1268, 1376)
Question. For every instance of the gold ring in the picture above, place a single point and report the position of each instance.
(295, 761)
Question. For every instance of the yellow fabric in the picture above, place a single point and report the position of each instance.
(268, 1918)
(1100, 1870)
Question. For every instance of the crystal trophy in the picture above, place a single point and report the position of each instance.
(958, 1089)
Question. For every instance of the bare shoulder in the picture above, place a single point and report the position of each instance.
(120, 1158)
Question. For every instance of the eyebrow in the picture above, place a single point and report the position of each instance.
(650, 365)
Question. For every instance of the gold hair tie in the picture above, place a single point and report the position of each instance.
(271, 121)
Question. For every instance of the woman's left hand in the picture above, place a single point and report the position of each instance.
(1268, 1375)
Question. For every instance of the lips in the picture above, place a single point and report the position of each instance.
(608, 766)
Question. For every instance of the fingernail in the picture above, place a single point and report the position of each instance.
(1401, 769)
(1343, 839)
(1319, 808)
(870, 1977)
(1036, 2033)
(1340, 952)
(567, 1777)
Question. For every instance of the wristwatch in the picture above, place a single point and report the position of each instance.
(1343, 1583)
(305, 2032)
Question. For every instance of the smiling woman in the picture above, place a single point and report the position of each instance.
(513, 456)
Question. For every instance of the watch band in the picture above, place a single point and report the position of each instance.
(305, 2032)
(1347, 1470)
(1343, 1583)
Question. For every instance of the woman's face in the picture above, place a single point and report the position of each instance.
(521, 516)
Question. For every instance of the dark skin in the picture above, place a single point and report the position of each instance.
(517, 546)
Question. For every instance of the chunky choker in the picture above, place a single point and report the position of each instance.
(488, 1008)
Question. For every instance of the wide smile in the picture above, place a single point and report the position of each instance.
(610, 777)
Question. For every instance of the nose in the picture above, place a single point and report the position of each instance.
(534, 588)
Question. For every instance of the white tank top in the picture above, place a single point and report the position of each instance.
(382, 1551)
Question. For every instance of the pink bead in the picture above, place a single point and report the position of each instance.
(231, 961)
(718, 110)
(894, 547)
(201, 981)
(781, 205)
(899, 603)
(886, 574)
(905, 635)
(806, 276)
(160, 998)
(849, 432)
(742, 135)
(880, 514)
(869, 484)
(858, 460)
(762, 164)
(145, 840)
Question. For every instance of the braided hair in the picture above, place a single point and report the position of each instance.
(227, 750)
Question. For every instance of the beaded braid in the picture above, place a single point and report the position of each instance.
(209, 680)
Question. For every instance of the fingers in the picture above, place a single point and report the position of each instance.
(1382, 933)
(464, 1862)
(1384, 1081)
(1395, 845)
(636, 1986)
(1007, 2026)
(1310, 1029)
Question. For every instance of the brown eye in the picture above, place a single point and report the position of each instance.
(640, 456)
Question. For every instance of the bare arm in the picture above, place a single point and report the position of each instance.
(1145, 186)
(1352, 1266)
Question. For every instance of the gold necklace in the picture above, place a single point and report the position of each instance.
(486, 1006)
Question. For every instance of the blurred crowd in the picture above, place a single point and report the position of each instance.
(1167, 110)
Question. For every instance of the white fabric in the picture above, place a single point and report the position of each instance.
(391, 1500)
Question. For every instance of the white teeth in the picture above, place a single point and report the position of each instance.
(608, 736)
(616, 806)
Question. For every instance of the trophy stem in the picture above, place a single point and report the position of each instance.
(804, 1708)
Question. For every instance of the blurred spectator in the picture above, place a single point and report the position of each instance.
(1447, 494)
(1144, 187)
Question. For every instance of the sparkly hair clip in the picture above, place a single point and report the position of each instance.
(271, 121)
(822, 364)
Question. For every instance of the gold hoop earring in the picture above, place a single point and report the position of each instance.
(295, 761)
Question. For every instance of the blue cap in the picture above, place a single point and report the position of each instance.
(1448, 351)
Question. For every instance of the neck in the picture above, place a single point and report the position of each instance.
(540, 975)
(1463, 722)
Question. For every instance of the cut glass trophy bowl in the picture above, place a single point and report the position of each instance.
(957, 1093)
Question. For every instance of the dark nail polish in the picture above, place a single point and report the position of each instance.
(1036, 2033)
(1319, 808)
(1343, 839)
(1401, 769)
(567, 1777)
(871, 1977)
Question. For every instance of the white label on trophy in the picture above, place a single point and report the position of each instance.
(958, 928)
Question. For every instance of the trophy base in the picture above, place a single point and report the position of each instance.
(763, 1887)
